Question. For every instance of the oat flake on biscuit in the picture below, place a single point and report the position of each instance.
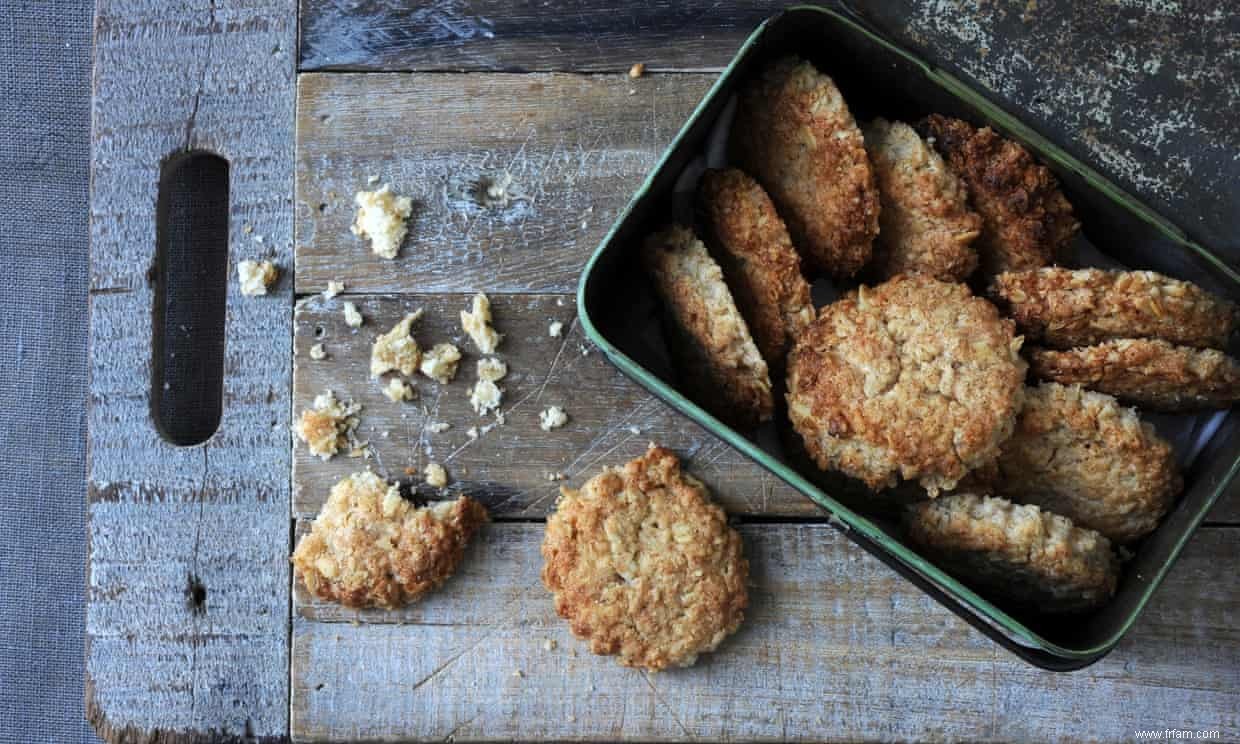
(644, 566)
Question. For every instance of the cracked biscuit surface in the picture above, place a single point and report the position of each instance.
(1147, 372)
(1026, 220)
(758, 260)
(926, 225)
(369, 547)
(1063, 308)
(795, 134)
(719, 364)
(1031, 557)
(1080, 454)
(644, 566)
(915, 379)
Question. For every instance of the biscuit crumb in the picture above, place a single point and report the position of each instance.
(637, 70)
(548, 645)
(398, 390)
(381, 217)
(552, 418)
(352, 318)
(333, 288)
(553, 477)
(396, 349)
(328, 426)
(555, 329)
(477, 323)
(492, 369)
(517, 673)
(634, 430)
(318, 352)
(438, 428)
(256, 277)
(472, 432)
(372, 180)
(440, 363)
(435, 475)
(485, 396)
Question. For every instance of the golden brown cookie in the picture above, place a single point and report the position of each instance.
(914, 378)
(1026, 221)
(758, 260)
(795, 134)
(643, 565)
(926, 225)
(1028, 556)
(371, 548)
(1064, 308)
(1150, 373)
(1082, 455)
(719, 364)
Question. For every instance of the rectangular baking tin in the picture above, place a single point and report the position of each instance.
(879, 78)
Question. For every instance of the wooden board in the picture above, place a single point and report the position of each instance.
(1151, 107)
(611, 419)
(187, 583)
(835, 647)
(572, 149)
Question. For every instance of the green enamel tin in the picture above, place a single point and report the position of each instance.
(879, 78)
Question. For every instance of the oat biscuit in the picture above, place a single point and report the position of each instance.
(1082, 455)
(762, 268)
(716, 357)
(1026, 221)
(794, 133)
(914, 378)
(371, 548)
(644, 566)
(926, 225)
(1146, 372)
(1031, 557)
(1064, 308)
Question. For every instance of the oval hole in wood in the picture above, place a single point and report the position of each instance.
(191, 289)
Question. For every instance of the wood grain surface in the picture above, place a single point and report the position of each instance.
(611, 419)
(1151, 106)
(835, 647)
(567, 150)
(187, 583)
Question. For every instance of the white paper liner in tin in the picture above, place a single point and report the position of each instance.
(1188, 433)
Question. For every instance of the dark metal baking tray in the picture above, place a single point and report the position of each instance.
(877, 77)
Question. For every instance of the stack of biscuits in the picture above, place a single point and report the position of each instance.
(917, 376)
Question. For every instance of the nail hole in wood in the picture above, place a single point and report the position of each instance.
(195, 595)
(191, 288)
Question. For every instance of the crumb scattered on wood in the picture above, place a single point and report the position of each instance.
(397, 349)
(440, 363)
(637, 70)
(381, 217)
(328, 426)
(256, 277)
(398, 390)
(435, 475)
(333, 288)
(477, 323)
(555, 329)
(318, 352)
(492, 369)
(352, 317)
(552, 418)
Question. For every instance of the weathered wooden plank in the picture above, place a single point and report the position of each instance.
(568, 151)
(611, 419)
(1152, 106)
(835, 647)
(494, 35)
(187, 582)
